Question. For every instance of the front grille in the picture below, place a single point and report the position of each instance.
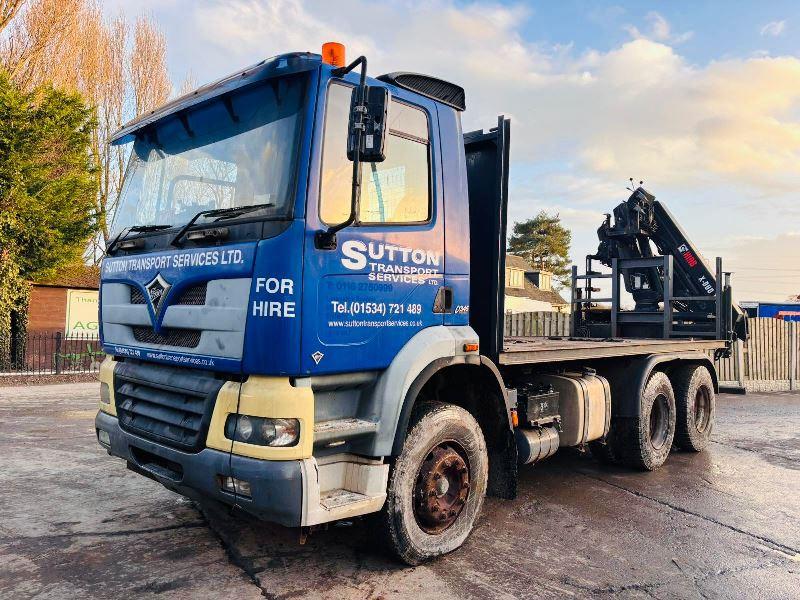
(165, 404)
(182, 338)
(137, 297)
(194, 295)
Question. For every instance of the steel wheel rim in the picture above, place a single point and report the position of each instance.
(441, 488)
(702, 409)
(659, 422)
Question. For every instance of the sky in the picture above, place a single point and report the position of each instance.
(700, 100)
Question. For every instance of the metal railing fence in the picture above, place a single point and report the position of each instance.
(49, 352)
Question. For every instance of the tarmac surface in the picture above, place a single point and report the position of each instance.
(721, 524)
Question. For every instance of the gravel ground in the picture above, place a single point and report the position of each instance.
(722, 524)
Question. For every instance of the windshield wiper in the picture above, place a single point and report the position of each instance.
(232, 213)
(221, 214)
(122, 235)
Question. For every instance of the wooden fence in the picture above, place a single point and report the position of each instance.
(769, 359)
(767, 362)
(536, 324)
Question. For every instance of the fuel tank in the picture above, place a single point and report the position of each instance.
(584, 403)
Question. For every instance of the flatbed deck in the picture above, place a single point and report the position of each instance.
(532, 350)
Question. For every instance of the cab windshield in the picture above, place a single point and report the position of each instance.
(237, 150)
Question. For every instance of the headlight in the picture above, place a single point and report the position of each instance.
(262, 431)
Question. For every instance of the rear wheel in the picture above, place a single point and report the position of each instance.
(437, 485)
(645, 442)
(695, 404)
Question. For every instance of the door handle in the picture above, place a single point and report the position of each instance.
(443, 303)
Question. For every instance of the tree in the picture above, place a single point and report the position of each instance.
(47, 186)
(73, 46)
(47, 182)
(42, 41)
(545, 243)
(8, 10)
(149, 80)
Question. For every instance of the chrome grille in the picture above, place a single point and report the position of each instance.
(183, 338)
(165, 404)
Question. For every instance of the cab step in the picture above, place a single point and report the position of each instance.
(343, 486)
(342, 429)
(338, 498)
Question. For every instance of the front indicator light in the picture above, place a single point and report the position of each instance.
(104, 438)
(262, 431)
(105, 393)
(236, 486)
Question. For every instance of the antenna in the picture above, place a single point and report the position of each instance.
(630, 188)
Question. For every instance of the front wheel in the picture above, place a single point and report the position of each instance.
(437, 484)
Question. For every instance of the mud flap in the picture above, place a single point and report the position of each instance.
(503, 468)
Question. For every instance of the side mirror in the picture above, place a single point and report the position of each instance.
(373, 112)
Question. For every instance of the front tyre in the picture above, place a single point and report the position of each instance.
(695, 402)
(437, 485)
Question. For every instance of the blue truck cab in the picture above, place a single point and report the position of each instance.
(305, 382)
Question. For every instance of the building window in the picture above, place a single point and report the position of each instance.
(515, 278)
(545, 281)
(396, 190)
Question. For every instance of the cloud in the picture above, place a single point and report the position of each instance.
(637, 110)
(764, 267)
(659, 30)
(773, 28)
(719, 141)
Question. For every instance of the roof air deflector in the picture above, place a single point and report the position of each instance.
(437, 89)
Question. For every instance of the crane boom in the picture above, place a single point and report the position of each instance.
(642, 223)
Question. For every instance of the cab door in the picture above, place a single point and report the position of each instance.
(367, 297)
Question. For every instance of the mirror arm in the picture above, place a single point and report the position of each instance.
(326, 239)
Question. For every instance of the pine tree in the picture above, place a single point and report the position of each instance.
(544, 242)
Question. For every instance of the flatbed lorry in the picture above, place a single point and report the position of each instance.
(302, 313)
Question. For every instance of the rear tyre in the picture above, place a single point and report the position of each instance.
(437, 484)
(645, 442)
(695, 402)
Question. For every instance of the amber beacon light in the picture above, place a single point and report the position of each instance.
(333, 54)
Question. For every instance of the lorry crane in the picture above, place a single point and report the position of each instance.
(302, 311)
(640, 223)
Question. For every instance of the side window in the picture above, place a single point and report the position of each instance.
(394, 191)
(336, 182)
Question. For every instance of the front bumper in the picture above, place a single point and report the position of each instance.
(277, 486)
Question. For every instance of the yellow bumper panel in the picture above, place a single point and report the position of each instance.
(107, 386)
(271, 397)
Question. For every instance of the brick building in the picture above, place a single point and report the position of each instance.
(64, 302)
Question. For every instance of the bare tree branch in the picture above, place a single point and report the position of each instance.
(148, 69)
(41, 43)
(8, 10)
(189, 84)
